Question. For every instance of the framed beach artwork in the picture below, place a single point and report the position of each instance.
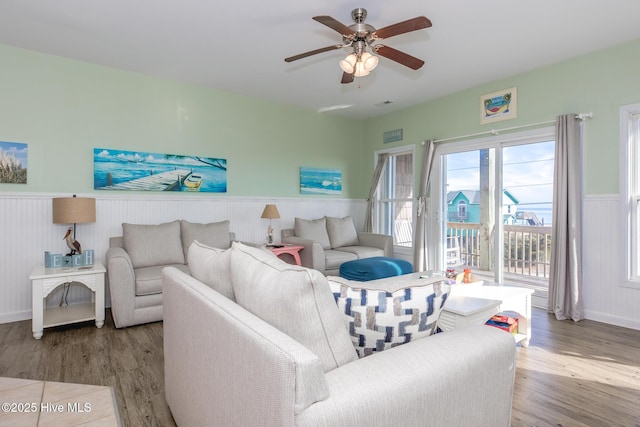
(500, 105)
(320, 181)
(13, 163)
(142, 171)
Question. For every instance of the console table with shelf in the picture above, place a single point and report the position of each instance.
(45, 280)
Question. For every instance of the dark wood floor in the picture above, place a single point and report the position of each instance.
(572, 374)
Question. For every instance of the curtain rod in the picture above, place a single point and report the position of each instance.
(581, 116)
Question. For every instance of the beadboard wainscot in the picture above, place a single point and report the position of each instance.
(605, 298)
(27, 230)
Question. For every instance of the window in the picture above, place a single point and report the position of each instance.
(462, 210)
(630, 191)
(393, 213)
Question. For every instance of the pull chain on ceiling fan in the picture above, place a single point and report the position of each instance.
(361, 37)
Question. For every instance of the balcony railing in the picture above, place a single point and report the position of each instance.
(527, 249)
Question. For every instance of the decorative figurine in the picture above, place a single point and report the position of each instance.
(72, 243)
(270, 235)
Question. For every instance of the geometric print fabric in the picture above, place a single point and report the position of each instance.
(378, 320)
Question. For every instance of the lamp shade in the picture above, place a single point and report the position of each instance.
(72, 210)
(348, 63)
(270, 211)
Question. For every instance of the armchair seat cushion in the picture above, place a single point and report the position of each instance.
(334, 259)
(149, 279)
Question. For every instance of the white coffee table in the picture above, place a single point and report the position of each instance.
(460, 311)
(474, 305)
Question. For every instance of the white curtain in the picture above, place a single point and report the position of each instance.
(565, 281)
(420, 253)
(368, 219)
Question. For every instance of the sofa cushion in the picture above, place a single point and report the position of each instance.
(213, 234)
(294, 299)
(211, 267)
(151, 245)
(362, 251)
(378, 319)
(333, 258)
(342, 232)
(149, 279)
(313, 229)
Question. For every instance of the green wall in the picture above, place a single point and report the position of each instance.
(600, 83)
(63, 109)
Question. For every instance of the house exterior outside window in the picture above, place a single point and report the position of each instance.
(394, 213)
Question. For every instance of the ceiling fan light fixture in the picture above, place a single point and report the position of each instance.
(348, 64)
(361, 71)
(369, 61)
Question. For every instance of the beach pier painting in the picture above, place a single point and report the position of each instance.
(142, 171)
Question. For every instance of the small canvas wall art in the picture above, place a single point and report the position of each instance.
(500, 105)
(142, 171)
(13, 163)
(320, 181)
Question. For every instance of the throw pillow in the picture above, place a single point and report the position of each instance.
(214, 234)
(296, 300)
(211, 267)
(152, 245)
(378, 319)
(313, 229)
(342, 232)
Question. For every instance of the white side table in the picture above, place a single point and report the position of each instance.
(44, 280)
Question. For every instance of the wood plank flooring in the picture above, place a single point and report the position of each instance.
(572, 374)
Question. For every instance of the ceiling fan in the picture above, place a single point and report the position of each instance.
(360, 37)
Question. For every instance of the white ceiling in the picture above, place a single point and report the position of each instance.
(240, 47)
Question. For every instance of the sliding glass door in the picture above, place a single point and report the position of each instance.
(493, 201)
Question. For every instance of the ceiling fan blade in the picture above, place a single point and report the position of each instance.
(402, 27)
(335, 25)
(399, 56)
(313, 52)
(347, 78)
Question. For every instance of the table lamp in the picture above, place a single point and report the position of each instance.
(74, 210)
(270, 211)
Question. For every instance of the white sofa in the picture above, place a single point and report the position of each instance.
(329, 242)
(276, 351)
(135, 261)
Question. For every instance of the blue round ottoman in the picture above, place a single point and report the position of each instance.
(374, 268)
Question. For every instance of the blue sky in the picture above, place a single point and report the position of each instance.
(17, 149)
(527, 169)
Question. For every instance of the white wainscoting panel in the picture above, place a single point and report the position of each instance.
(26, 230)
(604, 299)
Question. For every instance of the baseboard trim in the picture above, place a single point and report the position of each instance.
(17, 316)
(612, 320)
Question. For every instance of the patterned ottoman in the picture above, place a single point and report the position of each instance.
(373, 268)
